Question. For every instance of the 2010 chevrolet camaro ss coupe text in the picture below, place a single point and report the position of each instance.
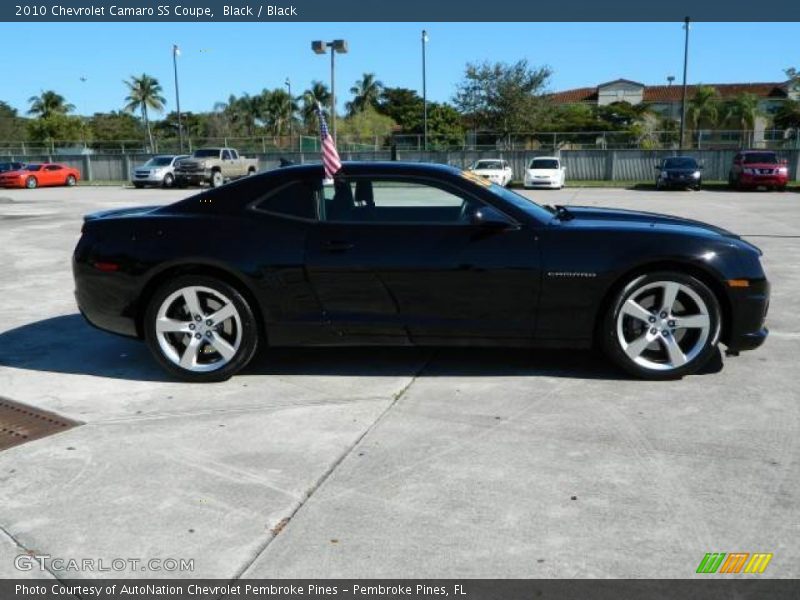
(413, 254)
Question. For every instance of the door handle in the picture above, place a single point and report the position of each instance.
(338, 246)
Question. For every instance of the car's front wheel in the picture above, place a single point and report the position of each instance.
(217, 179)
(200, 329)
(169, 180)
(31, 182)
(662, 325)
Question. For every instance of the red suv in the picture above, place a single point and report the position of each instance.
(754, 168)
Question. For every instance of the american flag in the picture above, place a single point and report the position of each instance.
(330, 157)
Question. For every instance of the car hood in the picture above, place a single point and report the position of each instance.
(633, 218)
(489, 171)
(15, 173)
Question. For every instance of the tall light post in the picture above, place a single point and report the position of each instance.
(685, 66)
(424, 91)
(176, 52)
(288, 84)
(339, 46)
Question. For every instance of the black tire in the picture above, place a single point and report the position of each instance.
(654, 360)
(251, 171)
(239, 332)
(216, 179)
(71, 181)
(169, 180)
(31, 183)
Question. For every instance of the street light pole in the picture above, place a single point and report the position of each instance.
(175, 53)
(685, 66)
(288, 84)
(424, 91)
(339, 46)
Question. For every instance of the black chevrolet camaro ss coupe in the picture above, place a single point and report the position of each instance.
(413, 254)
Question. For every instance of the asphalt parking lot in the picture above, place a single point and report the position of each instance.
(395, 463)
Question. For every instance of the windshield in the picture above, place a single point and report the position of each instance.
(159, 161)
(537, 211)
(544, 163)
(680, 163)
(489, 164)
(207, 153)
(33, 168)
(760, 157)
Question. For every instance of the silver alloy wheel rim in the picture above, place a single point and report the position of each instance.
(198, 329)
(30, 183)
(216, 179)
(663, 325)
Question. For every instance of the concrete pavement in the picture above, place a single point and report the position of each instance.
(407, 463)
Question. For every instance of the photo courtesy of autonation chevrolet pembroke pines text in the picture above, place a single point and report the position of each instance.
(420, 300)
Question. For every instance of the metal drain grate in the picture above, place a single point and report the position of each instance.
(20, 423)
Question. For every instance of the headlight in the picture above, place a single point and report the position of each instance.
(696, 174)
(749, 171)
(783, 170)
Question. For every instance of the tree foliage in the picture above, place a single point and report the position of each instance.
(503, 97)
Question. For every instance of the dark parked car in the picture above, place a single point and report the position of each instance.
(10, 166)
(409, 253)
(682, 172)
(757, 168)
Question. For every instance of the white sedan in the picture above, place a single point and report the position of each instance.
(494, 169)
(545, 171)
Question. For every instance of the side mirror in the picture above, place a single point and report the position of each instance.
(488, 217)
(658, 167)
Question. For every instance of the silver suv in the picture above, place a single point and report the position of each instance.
(159, 170)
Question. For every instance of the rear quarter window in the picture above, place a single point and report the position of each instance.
(294, 200)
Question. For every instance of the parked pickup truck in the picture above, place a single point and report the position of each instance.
(213, 166)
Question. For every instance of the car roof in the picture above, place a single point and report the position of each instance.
(545, 158)
(368, 167)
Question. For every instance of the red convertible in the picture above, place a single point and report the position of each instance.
(40, 174)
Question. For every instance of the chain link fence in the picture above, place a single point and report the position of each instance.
(473, 141)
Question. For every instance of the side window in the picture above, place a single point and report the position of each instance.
(296, 200)
(385, 200)
(53, 168)
(234, 154)
(226, 155)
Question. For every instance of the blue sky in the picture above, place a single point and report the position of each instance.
(222, 58)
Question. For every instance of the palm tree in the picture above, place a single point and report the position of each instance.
(144, 92)
(278, 109)
(704, 106)
(317, 95)
(49, 103)
(230, 112)
(366, 91)
(744, 110)
(251, 110)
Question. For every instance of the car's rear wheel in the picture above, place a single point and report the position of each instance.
(31, 182)
(71, 181)
(200, 329)
(217, 179)
(662, 325)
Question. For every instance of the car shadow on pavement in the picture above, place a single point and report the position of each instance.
(67, 344)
